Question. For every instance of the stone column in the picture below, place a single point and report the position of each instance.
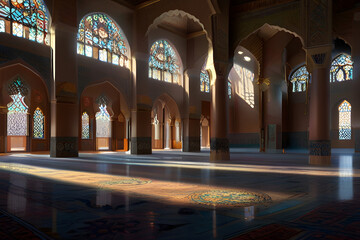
(219, 142)
(141, 130)
(319, 105)
(3, 128)
(318, 44)
(355, 52)
(142, 106)
(191, 140)
(64, 102)
(192, 106)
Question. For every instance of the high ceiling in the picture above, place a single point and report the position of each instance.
(131, 3)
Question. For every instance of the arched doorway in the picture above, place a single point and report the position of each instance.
(105, 118)
(204, 132)
(25, 109)
(166, 124)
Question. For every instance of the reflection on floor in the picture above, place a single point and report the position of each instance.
(173, 195)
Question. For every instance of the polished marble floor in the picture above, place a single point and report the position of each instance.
(174, 195)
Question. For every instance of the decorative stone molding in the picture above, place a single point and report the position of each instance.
(191, 144)
(64, 147)
(141, 145)
(320, 147)
(219, 144)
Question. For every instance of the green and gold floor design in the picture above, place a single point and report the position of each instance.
(163, 191)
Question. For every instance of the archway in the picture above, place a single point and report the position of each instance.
(24, 122)
(103, 122)
(166, 124)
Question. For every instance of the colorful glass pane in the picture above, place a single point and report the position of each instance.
(229, 89)
(30, 13)
(115, 59)
(101, 31)
(88, 51)
(39, 124)
(103, 55)
(80, 48)
(17, 120)
(341, 68)
(2, 25)
(299, 79)
(163, 59)
(345, 121)
(204, 81)
(85, 123)
(103, 123)
(18, 29)
(32, 34)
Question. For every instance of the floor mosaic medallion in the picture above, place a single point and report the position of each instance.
(123, 181)
(227, 198)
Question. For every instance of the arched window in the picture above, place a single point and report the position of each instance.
(345, 121)
(164, 63)
(17, 121)
(204, 79)
(100, 37)
(229, 89)
(39, 124)
(103, 123)
(341, 68)
(25, 18)
(85, 126)
(299, 79)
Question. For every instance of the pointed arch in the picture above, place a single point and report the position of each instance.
(27, 19)
(344, 120)
(100, 37)
(341, 68)
(38, 124)
(299, 79)
(164, 62)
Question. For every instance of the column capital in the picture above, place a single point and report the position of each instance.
(318, 57)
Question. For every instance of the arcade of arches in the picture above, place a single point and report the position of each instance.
(147, 117)
(92, 79)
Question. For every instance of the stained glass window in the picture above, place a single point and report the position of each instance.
(103, 123)
(99, 31)
(204, 80)
(2, 25)
(39, 124)
(229, 89)
(164, 62)
(341, 68)
(345, 121)
(17, 120)
(85, 123)
(243, 79)
(31, 14)
(299, 79)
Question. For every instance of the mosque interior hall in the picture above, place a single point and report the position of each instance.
(179, 119)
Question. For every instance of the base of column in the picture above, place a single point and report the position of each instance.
(320, 160)
(191, 144)
(320, 148)
(141, 145)
(356, 135)
(219, 149)
(2, 144)
(63, 147)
